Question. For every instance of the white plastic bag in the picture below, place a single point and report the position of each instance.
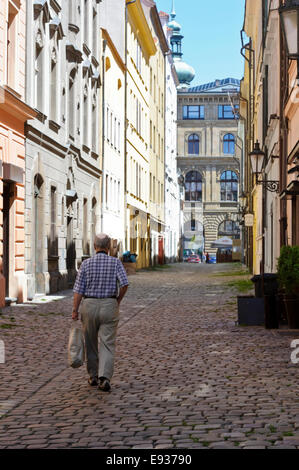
(76, 348)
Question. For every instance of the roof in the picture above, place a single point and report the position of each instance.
(217, 86)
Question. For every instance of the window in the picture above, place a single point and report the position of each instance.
(94, 33)
(53, 238)
(229, 144)
(193, 186)
(193, 112)
(193, 144)
(106, 191)
(53, 87)
(229, 186)
(85, 228)
(93, 221)
(230, 229)
(228, 111)
(71, 102)
(86, 21)
(193, 225)
(11, 45)
(138, 57)
(85, 117)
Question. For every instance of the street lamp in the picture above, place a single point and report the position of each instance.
(289, 17)
(243, 200)
(257, 157)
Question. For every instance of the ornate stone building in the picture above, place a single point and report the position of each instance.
(207, 141)
(63, 166)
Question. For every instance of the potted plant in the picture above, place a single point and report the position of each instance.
(288, 278)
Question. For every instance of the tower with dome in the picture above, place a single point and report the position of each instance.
(184, 71)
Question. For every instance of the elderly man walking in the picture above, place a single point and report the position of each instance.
(97, 283)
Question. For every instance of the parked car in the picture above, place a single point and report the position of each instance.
(194, 259)
(212, 259)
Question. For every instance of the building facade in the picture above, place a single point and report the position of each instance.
(63, 164)
(156, 135)
(113, 118)
(173, 218)
(207, 139)
(140, 46)
(13, 114)
(262, 75)
(269, 97)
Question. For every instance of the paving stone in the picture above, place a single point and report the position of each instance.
(235, 379)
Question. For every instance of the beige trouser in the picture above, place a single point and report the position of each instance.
(100, 318)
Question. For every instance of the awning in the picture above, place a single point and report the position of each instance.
(223, 242)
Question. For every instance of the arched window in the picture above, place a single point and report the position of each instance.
(229, 186)
(193, 144)
(193, 186)
(230, 229)
(229, 144)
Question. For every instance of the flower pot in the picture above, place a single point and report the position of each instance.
(292, 309)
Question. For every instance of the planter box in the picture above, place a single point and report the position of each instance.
(251, 310)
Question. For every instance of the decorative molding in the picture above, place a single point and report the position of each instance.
(86, 50)
(73, 54)
(73, 28)
(55, 5)
(54, 126)
(56, 25)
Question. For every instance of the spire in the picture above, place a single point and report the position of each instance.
(184, 71)
(173, 13)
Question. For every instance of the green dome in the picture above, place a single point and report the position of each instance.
(185, 72)
(176, 27)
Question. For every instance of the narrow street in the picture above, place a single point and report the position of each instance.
(185, 376)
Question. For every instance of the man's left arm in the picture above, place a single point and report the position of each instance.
(79, 290)
(77, 300)
(123, 281)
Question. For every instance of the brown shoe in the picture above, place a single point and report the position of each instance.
(93, 381)
(104, 384)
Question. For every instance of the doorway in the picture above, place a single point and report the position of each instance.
(70, 252)
(38, 234)
(7, 202)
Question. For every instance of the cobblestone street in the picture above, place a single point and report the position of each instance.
(185, 375)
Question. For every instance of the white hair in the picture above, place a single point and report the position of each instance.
(102, 241)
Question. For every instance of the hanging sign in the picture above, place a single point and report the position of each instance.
(248, 220)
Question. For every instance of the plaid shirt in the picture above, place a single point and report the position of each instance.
(98, 276)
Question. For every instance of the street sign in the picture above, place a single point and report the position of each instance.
(248, 220)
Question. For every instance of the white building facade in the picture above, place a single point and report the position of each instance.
(173, 214)
(113, 105)
(63, 172)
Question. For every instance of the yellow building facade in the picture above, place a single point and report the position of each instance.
(261, 107)
(140, 46)
(157, 137)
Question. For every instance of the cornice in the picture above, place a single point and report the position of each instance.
(137, 17)
(159, 30)
(14, 106)
(113, 49)
(46, 142)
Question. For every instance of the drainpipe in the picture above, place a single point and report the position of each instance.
(251, 107)
(103, 131)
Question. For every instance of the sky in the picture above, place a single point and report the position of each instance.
(211, 30)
